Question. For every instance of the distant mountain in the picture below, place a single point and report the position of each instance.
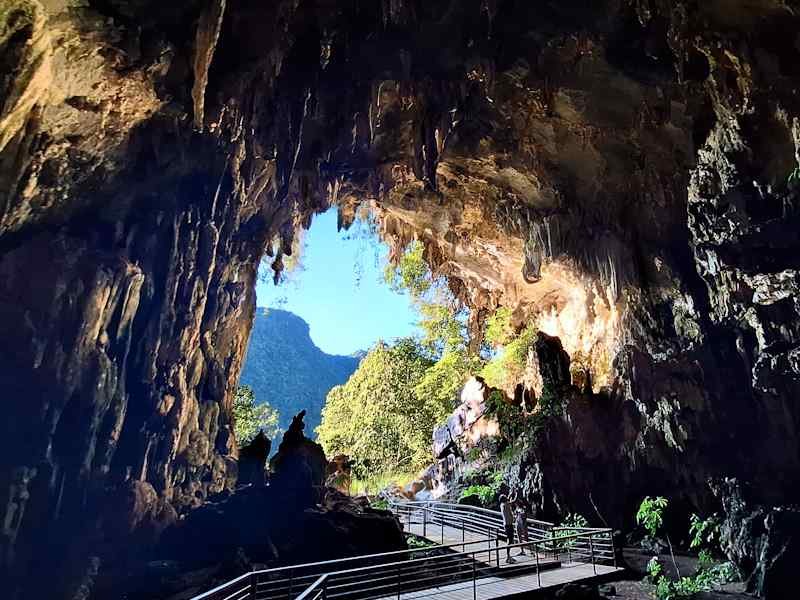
(285, 368)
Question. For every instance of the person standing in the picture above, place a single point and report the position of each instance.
(507, 512)
(521, 523)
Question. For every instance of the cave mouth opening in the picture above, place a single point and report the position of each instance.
(329, 306)
(342, 291)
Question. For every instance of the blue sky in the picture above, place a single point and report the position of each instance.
(340, 290)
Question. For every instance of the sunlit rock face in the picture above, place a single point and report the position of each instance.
(622, 172)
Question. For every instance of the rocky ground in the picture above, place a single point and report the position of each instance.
(636, 587)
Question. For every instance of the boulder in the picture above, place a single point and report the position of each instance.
(763, 542)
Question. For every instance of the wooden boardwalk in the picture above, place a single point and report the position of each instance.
(467, 560)
(451, 536)
(489, 588)
(509, 579)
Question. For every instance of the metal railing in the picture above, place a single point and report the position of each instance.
(391, 574)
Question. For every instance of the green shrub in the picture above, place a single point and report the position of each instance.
(483, 484)
(507, 368)
(379, 504)
(686, 587)
(485, 493)
(651, 514)
(516, 424)
(509, 454)
(498, 327)
(704, 559)
(473, 454)
(654, 570)
(250, 417)
(571, 520)
(414, 542)
(704, 532)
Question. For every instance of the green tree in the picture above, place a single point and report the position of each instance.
(250, 417)
(410, 273)
(499, 331)
(508, 367)
(442, 319)
(442, 382)
(377, 418)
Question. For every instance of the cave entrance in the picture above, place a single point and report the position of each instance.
(330, 306)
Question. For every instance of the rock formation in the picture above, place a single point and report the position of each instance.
(294, 520)
(253, 461)
(623, 171)
(299, 468)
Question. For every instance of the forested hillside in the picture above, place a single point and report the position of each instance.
(285, 368)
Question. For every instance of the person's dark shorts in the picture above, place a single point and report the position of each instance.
(509, 534)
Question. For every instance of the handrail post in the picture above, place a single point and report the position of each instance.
(613, 548)
(591, 548)
(538, 575)
(253, 585)
(441, 518)
(497, 547)
(398, 581)
(425, 521)
(291, 584)
(325, 589)
(463, 535)
(474, 577)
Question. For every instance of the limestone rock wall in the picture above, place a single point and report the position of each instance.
(622, 171)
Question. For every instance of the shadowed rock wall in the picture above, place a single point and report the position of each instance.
(622, 171)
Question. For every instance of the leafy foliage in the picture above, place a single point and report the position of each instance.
(498, 327)
(705, 559)
(415, 541)
(704, 532)
(379, 504)
(375, 482)
(443, 328)
(441, 383)
(474, 454)
(369, 417)
(705, 580)
(507, 368)
(485, 493)
(651, 514)
(572, 523)
(654, 570)
(411, 272)
(484, 484)
(515, 423)
(249, 417)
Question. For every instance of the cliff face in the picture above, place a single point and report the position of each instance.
(624, 171)
(286, 369)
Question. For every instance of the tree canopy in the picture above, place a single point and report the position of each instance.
(384, 415)
(377, 418)
(250, 417)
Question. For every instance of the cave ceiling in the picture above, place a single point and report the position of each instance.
(625, 172)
